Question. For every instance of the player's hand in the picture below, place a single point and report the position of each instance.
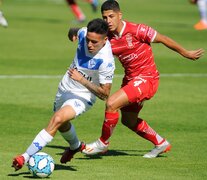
(75, 75)
(195, 54)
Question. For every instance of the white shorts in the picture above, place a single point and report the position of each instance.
(78, 103)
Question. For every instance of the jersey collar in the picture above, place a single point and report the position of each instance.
(122, 30)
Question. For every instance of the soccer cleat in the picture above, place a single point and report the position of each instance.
(68, 154)
(94, 5)
(95, 148)
(18, 162)
(81, 20)
(159, 149)
(3, 21)
(201, 25)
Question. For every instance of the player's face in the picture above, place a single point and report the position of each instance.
(95, 42)
(113, 18)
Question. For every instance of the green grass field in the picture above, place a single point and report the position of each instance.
(35, 43)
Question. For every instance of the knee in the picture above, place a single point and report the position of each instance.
(57, 120)
(54, 124)
(128, 123)
(110, 105)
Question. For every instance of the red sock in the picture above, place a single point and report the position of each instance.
(77, 12)
(145, 131)
(89, 1)
(111, 119)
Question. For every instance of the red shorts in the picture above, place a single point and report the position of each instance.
(138, 90)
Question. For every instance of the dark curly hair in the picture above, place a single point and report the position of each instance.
(98, 26)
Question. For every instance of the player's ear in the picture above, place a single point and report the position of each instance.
(105, 38)
(120, 16)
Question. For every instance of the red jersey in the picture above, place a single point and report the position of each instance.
(133, 49)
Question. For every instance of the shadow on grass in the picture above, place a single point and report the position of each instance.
(56, 147)
(64, 167)
(127, 153)
(29, 176)
(115, 153)
(24, 175)
(118, 152)
(108, 153)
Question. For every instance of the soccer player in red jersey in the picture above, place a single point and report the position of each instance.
(131, 44)
(79, 15)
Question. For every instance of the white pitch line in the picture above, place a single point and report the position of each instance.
(176, 75)
(196, 75)
(184, 75)
(29, 76)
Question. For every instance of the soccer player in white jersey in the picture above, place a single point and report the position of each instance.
(89, 75)
(3, 21)
(202, 8)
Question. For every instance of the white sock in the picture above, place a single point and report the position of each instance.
(26, 157)
(71, 137)
(40, 141)
(203, 10)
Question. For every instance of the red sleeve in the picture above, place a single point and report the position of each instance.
(145, 33)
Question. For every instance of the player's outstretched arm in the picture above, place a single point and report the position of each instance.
(101, 91)
(170, 43)
(73, 34)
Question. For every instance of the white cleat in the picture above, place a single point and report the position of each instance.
(95, 148)
(158, 149)
(3, 21)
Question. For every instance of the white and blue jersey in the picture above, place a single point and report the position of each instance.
(98, 68)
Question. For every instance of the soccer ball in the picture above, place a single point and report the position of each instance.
(41, 165)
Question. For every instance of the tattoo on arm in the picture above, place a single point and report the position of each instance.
(101, 91)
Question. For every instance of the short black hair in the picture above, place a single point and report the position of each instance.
(98, 26)
(110, 5)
